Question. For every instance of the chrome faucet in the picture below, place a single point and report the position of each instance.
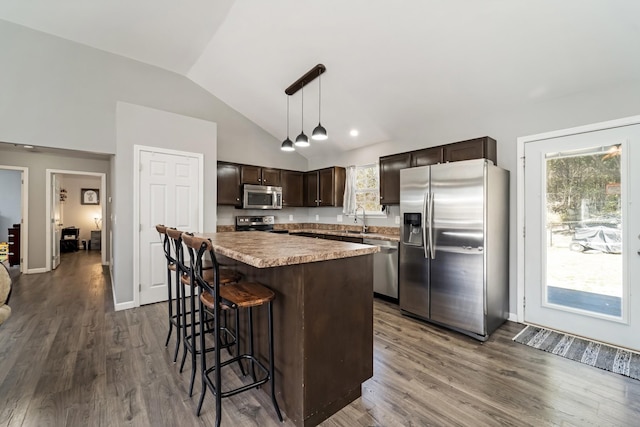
(364, 221)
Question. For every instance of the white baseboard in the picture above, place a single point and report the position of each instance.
(124, 306)
(119, 306)
(36, 270)
(513, 317)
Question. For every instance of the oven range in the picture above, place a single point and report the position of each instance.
(257, 223)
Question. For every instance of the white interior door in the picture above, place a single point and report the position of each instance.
(56, 221)
(582, 244)
(170, 194)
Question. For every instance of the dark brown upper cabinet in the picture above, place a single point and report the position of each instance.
(260, 176)
(229, 187)
(292, 188)
(478, 148)
(390, 167)
(324, 187)
(426, 157)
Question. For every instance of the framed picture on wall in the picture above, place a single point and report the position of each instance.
(90, 196)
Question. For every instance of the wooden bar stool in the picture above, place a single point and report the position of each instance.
(191, 315)
(215, 299)
(175, 319)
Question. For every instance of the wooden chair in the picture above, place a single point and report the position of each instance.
(215, 299)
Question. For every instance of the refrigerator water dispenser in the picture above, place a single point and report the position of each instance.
(412, 230)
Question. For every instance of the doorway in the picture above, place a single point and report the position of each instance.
(168, 189)
(580, 240)
(76, 207)
(14, 214)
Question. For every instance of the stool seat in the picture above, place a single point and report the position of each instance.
(240, 295)
(247, 294)
(226, 276)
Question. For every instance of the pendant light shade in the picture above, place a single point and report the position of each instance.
(287, 144)
(319, 133)
(302, 140)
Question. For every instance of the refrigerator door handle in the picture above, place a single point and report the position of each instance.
(432, 247)
(425, 242)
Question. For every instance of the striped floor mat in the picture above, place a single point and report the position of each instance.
(601, 356)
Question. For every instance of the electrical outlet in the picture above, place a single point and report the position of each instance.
(290, 217)
(339, 218)
(397, 219)
(317, 217)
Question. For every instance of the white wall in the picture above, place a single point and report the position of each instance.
(74, 213)
(10, 200)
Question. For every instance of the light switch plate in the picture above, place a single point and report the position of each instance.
(290, 217)
(339, 218)
(397, 219)
(317, 217)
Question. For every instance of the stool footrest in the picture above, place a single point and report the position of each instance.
(245, 387)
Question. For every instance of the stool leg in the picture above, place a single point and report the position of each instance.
(183, 306)
(193, 337)
(272, 372)
(253, 367)
(179, 325)
(237, 338)
(203, 364)
(166, 343)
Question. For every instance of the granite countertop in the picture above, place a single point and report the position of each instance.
(377, 236)
(263, 250)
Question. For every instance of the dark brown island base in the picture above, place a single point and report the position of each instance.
(323, 316)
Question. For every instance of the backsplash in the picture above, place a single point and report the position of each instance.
(226, 217)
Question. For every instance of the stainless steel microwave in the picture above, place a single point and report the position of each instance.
(261, 197)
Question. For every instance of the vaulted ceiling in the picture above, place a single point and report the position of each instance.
(393, 67)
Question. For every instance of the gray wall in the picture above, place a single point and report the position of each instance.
(57, 93)
(10, 200)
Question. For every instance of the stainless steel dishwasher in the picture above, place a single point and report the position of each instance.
(385, 268)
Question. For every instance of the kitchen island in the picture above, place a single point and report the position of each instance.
(323, 316)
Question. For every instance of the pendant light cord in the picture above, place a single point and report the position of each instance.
(287, 116)
(302, 114)
(319, 98)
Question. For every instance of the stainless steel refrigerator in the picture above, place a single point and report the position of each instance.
(454, 245)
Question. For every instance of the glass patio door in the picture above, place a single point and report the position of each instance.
(582, 222)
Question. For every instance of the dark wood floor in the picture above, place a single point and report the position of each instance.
(66, 358)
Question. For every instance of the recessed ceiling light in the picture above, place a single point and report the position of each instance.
(354, 132)
(28, 147)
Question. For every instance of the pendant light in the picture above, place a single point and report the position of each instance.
(287, 144)
(302, 140)
(319, 133)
